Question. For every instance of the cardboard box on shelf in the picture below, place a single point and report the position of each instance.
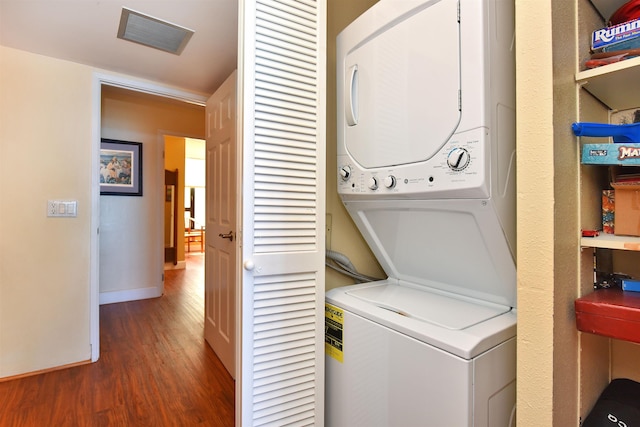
(621, 36)
(627, 208)
(608, 211)
(611, 154)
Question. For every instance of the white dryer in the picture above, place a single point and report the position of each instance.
(426, 157)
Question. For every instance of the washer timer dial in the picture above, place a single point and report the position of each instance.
(458, 159)
(373, 183)
(345, 173)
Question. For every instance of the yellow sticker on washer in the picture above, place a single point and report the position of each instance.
(333, 326)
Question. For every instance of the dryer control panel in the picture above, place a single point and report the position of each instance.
(458, 169)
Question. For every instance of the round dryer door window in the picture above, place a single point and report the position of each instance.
(402, 87)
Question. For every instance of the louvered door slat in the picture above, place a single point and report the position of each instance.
(265, 95)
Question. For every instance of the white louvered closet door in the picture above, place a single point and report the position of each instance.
(282, 60)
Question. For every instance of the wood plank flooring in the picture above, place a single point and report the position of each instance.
(155, 369)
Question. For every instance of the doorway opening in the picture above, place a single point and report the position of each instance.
(127, 250)
(195, 194)
(132, 228)
(184, 209)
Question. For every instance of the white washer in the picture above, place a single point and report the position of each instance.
(411, 358)
(426, 156)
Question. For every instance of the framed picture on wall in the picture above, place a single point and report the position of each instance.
(120, 168)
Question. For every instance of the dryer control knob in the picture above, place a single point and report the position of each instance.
(345, 172)
(390, 181)
(458, 159)
(373, 183)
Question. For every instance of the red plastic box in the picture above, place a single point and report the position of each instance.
(610, 312)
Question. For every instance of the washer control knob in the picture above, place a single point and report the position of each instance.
(458, 159)
(345, 172)
(390, 181)
(373, 183)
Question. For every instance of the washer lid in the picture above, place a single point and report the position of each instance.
(401, 77)
(420, 313)
(436, 308)
(456, 246)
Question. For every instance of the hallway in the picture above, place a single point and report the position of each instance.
(155, 369)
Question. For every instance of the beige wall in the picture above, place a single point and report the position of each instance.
(344, 237)
(136, 223)
(535, 211)
(566, 226)
(45, 153)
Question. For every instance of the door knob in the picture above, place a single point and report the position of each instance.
(228, 235)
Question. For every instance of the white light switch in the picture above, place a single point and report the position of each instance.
(62, 208)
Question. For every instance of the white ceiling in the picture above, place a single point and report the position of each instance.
(85, 31)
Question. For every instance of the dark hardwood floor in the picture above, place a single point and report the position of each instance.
(155, 369)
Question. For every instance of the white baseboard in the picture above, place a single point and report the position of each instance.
(129, 295)
(181, 265)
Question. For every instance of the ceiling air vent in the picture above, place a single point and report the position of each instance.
(146, 30)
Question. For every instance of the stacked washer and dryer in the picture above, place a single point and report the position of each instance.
(426, 157)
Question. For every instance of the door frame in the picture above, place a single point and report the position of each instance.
(103, 78)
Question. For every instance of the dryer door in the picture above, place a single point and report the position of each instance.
(401, 83)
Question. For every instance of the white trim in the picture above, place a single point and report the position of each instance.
(129, 295)
(246, 46)
(240, 119)
(149, 87)
(159, 192)
(100, 78)
(94, 245)
(181, 265)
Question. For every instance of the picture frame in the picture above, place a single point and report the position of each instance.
(120, 168)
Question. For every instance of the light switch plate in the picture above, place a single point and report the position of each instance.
(62, 208)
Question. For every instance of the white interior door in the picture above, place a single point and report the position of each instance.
(282, 85)
(221, 224)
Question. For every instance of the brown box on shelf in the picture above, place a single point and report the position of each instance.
(611, 312)
(608, 211)
(627, 207)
